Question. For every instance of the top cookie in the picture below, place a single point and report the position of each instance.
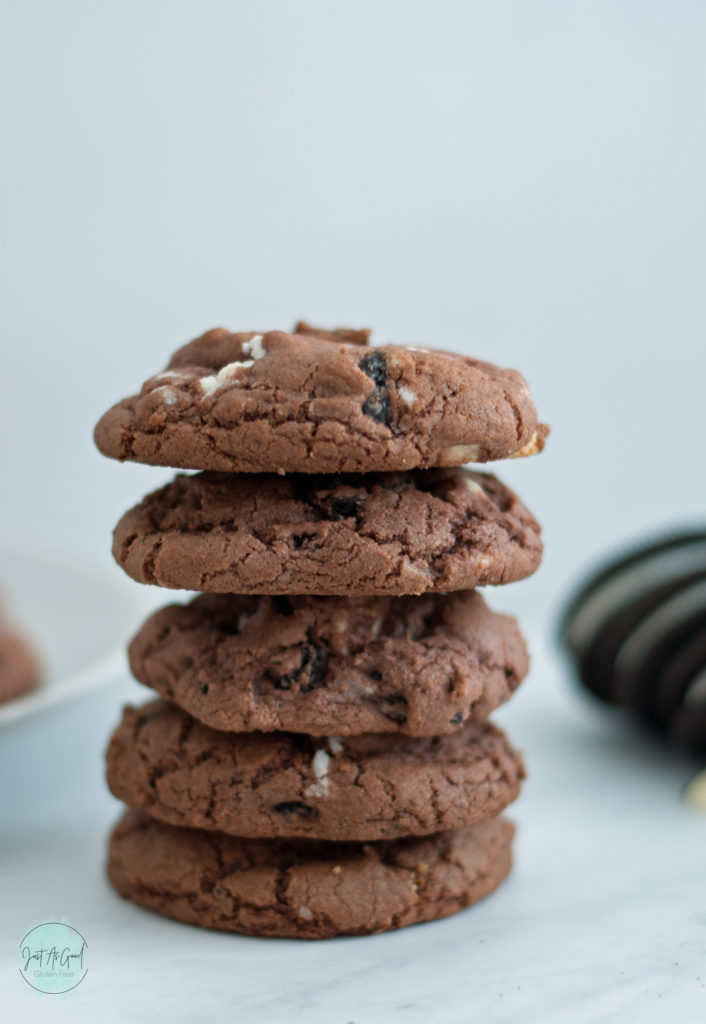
(319, 401)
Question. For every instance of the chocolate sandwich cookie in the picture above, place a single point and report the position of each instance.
(687, 725)
(680, 701)
(305, 889)
(320, 402)
(283, 785)
(19, 668)
(332, 666)
(613, 602)
(637, 634)
(390, 533)
(649, 674)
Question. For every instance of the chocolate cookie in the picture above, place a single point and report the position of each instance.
(332, 666)
(320, 402)
(282, 785)
(396, 533)
(19, 668)
(305, 889)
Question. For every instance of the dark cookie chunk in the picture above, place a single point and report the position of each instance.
(305, 889)
(19, 668)
(315, 402)
(377, 405)
(344, 666)
(280, 785)
(410, 533)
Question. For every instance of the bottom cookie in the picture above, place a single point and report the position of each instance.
(305, 889)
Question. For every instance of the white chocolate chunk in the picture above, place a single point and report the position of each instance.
(320, 768)
(335, 745)
(359, 688)
(253, 348)
(457, 454)
(167, 394)
(695, 793)
(340, 630)
(171, 374)
(305, 913)
(533, 447)
(407, 395)
(226, 375)
(473, 486)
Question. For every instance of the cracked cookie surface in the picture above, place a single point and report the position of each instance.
(319, 401)
(388, 533)
(274, 785)
(305, 889)
(332, 666)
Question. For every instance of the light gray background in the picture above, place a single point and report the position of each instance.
(519, 181)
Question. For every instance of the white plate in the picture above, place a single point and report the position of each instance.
(77, 615)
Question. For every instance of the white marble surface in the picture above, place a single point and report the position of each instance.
(603, 919)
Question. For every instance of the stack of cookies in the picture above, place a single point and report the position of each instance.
(319, 760)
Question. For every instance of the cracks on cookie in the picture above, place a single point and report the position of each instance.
(314, 537)
(432, 665)
(194, 777)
